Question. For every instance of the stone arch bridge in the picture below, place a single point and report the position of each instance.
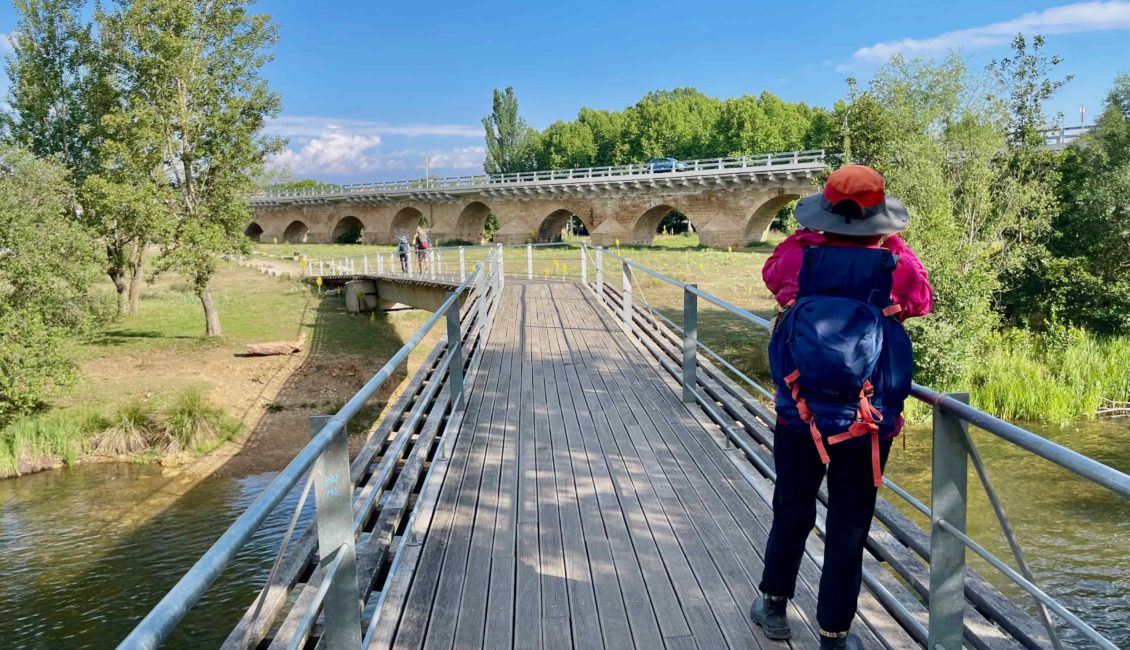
(729, 201)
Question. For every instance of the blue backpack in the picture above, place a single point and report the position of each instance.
(841, 360)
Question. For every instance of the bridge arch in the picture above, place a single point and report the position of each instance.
(643, 232)
(405, 222)
(254, 232)
(551, 226)
(472, 221)
(296, 233)
(349, 230)
(757, 227)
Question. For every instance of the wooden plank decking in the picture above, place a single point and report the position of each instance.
(584, 505)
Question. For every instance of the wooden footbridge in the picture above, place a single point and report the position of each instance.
(566, 470)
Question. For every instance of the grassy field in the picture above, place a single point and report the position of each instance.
(158, 361)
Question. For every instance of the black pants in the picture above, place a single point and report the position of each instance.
(851, 504)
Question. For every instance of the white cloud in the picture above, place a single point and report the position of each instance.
(460, 158)
(332, 152)
(1067, 19)
(346, 147)
(310, 127)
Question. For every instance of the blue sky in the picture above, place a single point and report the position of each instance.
(370, 88)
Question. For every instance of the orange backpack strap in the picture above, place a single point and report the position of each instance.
(806, 415)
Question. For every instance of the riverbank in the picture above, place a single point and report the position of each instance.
(147, 361)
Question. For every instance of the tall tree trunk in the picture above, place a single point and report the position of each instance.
(137, 278)
(211, 316)
(117, 272)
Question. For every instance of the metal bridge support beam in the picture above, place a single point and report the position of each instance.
(455, 349)
(600, 274)
(627, 295)
(462, 264)
(333, 495)
(529, 262)
(947, 552)
(365, 265)
(690, 345)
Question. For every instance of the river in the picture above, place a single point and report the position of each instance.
(86, 551)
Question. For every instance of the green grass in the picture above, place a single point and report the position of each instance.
(1051, 378)
(31, 442)
(324, 251)
(192, 422)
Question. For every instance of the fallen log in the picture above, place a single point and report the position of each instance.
(276, 347)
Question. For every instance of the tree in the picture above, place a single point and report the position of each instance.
(1024, 84)
(60, 92)
(191, 117)
(48, 266)
(1085, 278)
(510, 142)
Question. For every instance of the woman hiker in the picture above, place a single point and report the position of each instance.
(842, 363)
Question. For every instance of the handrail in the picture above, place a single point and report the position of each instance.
(950, 414)
(164, 617)
(806, 158)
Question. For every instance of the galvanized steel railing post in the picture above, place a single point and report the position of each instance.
(321, 267)
(690, 345)
(365, 265)
(462, 264)
(947, 552)
(333, 494)
(584, 264)
(481, 289)
(627, 295)
(380, 264)
(455, 349)
(600, 274)
(529, 262)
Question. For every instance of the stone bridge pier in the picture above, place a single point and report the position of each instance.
(725, 208)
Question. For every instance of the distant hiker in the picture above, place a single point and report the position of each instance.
(402, 249)
(842, 363)
(422, 247)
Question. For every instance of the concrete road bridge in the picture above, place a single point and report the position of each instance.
(572, 468)
(729, 201)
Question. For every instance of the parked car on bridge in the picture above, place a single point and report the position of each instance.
(666, 165)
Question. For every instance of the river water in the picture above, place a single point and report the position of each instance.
(85, 552)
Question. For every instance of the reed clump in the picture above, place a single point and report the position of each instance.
(184, 422)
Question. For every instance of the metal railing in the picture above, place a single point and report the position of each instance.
(1066, 134)
(543, 261)
(326, 457)
(953, 451)
(809, 158)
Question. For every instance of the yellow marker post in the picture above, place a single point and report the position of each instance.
(318, 281)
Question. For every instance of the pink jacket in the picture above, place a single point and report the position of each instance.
(911, 290)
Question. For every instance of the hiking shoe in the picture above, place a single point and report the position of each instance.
(846, 641)
(769, 613)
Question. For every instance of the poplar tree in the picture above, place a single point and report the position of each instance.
(510, 142)
(60, 92)
(188, 129)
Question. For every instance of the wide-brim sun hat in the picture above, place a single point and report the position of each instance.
(853, 203)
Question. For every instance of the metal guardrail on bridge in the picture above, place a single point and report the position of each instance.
(488, 181)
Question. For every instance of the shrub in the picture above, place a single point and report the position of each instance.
(132, 427)
(351, 236)
(192, 422)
